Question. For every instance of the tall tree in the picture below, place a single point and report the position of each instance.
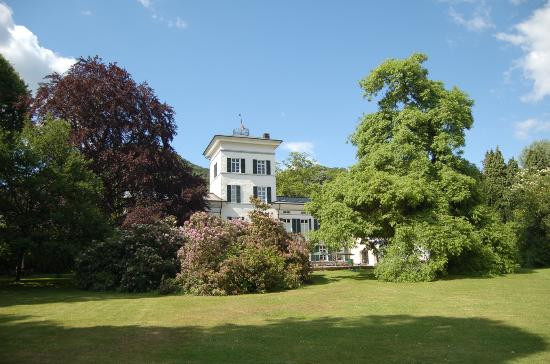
(14, 98)
(410, 185)
(126, 132)
(532, 215)
(536, 156)
(498, 179)
(301, 175)
(47, 192)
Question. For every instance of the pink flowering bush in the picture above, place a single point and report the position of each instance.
(233, 257)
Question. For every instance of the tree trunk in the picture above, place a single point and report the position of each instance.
(19, 267)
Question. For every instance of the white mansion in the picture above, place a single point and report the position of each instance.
(242, 166)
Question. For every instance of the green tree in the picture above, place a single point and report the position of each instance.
(410, 186)
(536, 156)
(301, 175)
(47, 193)
(497, 181)
(532, 215)
(14, 97)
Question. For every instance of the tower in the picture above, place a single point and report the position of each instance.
(241, 167)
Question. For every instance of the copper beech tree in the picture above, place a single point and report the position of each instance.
(123, 128)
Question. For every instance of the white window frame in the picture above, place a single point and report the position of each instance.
(262, 193)
(261, 167)
(235, 165)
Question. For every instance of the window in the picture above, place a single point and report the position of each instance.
(262, 193)
(215, 169)
(260, 167)
(234, 193)
(235, 165)
(286, 212)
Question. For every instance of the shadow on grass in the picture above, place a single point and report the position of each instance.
(383, 339)
(51, 289)
(321, 277)
(452, 276)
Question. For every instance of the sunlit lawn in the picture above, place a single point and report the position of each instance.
(345, 317)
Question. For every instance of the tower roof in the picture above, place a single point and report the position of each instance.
(217, 139)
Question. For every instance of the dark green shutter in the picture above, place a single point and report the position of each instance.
(238, 194)
(228, 165)
(228, 193)
(255, 191)
(254, 166)
(315, 224)
(309, 223)
(243, 169)
(268, 167)
(269, 195)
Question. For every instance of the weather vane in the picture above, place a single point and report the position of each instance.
(242, 130)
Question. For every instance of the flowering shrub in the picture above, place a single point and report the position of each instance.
(135, 259)
(233, 257)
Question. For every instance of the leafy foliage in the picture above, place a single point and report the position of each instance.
(126, 132)
(497, 181)
(532, 216)
(301, 175)
(233, 257)
(410, 187)
(136, 259)
(49, 199)
(536, 156)
(14, 98)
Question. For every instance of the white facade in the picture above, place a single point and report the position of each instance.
(242, 167)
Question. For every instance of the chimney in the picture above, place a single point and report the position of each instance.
(266, 136)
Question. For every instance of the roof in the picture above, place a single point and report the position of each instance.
(240, 137)
(292, 200)
(213, 197)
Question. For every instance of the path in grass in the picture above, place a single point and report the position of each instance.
(344, 317)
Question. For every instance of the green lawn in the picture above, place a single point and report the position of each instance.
(344, 317)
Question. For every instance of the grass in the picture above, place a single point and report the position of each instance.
(344, 316)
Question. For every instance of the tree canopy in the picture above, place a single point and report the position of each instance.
(14, 98)
(497, 182)
(48, 195)
(410, 185)
(536, 156)
(126, 132)
(301, 175)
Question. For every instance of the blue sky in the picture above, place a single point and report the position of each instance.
(292, 68)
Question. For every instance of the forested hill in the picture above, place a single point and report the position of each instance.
(198, 170)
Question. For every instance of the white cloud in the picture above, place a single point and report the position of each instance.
(21, 48)
(531, 127)
(86, 12)
(480, 18)
(146, 3)
(302, 147)
(517, 2)
(176, 22)
(533, 36)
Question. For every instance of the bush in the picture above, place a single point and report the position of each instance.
(133, 260)
(234, 257)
